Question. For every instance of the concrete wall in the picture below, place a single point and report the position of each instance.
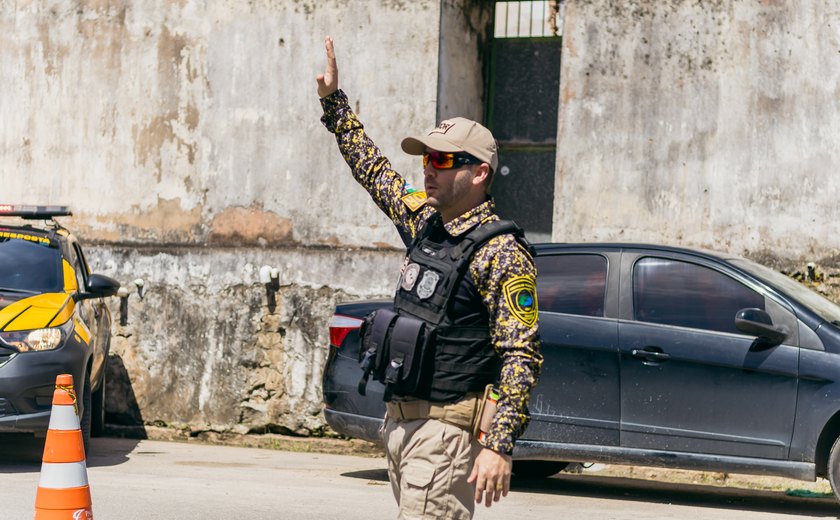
(465, 39)
(701, 123)
(185, 134)
(202, 351)
(196, 122)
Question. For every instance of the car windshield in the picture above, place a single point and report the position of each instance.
(29, 266)
(823, 307)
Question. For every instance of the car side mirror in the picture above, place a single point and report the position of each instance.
(98, 286)
(757, 322)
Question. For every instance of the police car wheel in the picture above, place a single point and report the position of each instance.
(537, 468)
(97, 424)
(86, 415)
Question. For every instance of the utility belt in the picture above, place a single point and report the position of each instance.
(474, 413)
(461, 414)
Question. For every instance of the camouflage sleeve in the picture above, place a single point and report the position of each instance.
(406, 208)
(505, 276)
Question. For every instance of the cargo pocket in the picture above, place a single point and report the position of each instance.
(418, 477)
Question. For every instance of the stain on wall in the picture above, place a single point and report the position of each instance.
(248, 226)
(167, 222)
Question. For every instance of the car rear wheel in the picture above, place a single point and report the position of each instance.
(834, 468)
(537, 468)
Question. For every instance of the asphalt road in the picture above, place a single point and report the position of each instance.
(152, 480)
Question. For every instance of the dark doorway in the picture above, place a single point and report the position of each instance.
(524, 90)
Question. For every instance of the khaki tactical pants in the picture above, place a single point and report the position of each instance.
(430, 459)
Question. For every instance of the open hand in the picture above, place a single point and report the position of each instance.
(491, 475)
(328, 81)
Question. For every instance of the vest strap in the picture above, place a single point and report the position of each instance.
(464, 369)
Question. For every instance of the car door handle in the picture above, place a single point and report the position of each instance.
(648, 354)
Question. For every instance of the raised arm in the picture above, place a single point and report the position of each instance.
(328, 81)
(405, 206)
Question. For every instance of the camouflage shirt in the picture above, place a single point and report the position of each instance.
(498, 268)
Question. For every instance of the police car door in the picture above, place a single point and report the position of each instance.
(690, 381)
(577, 397)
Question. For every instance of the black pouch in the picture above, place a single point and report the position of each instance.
(406, 358)
(373, 351)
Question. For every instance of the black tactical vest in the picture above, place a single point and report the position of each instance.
(457, 356)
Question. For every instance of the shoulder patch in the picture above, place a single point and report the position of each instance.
(414, 200)
(521, 296)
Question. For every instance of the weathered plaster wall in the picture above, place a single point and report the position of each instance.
(701, 123)
(185, 134)
(195, 122)
(201, 349)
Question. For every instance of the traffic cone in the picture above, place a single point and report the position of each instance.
(63, 491)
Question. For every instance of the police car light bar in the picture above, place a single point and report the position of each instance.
(34, 212)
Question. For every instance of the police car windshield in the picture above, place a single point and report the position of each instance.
(27, 265)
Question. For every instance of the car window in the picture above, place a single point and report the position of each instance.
(81, 267)
(824, 308)
(572, 284)
(29, 265)
(672, 292)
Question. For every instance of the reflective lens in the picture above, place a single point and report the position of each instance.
(448, 160)
(38, 339)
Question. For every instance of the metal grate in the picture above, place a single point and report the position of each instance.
(529, 19)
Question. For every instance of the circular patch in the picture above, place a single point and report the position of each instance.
(409, 277)
(521, 297)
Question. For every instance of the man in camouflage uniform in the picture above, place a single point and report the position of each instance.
(430, 478)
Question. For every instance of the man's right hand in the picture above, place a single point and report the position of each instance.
(328, 81)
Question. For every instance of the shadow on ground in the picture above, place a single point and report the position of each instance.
(641, 490)
(23, 452)
(368, 474)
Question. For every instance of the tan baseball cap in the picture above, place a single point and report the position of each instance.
(456, 135)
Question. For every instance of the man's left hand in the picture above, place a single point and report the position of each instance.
(491, 475)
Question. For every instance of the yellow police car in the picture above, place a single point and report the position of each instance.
(53, 320)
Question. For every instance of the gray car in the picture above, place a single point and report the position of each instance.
(656, 356)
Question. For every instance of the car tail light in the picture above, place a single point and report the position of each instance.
(340, 327)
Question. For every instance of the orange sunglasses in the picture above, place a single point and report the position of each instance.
(448, 160)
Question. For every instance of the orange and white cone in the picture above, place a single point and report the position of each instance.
(63, 490)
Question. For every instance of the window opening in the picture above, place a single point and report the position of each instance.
(529, 19)
(522, 110)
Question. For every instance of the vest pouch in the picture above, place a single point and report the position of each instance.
(373, 351)
(465, 361)
(406, 345)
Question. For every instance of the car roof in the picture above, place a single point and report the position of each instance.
(557, 247)
(37, 231)
(34, 220)
(44, 230)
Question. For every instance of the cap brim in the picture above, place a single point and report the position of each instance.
(418, 145)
